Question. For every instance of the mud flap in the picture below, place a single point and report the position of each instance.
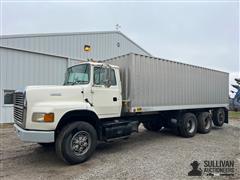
(226, 116)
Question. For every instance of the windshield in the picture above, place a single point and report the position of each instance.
(78, 75)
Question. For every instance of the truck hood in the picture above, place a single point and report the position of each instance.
(54, 94)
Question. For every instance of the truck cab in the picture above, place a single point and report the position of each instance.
(91, 93)
(103, 85)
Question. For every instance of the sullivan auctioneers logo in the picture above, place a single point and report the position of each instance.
(212, 168)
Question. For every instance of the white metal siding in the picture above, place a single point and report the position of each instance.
(104, 45)
(43, 59)
(20, 69)
(72, 62)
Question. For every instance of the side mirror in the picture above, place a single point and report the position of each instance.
(107, 81)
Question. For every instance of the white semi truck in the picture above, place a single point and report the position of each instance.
(105, 101)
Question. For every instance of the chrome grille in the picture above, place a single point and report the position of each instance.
(19, 112)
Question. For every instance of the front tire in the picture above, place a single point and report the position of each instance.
(76, 142)
(187, 125)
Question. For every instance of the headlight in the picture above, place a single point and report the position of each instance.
(43, 117)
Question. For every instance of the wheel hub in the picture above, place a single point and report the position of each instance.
(190, 126)
(221, 117)
(207, 123)
(80, 143)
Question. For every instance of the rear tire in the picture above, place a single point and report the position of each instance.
(187, 125)
(219, 117)
(76, 142)
(204, 122)
(153, 125)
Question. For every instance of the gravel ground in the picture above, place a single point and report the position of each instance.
(145, 155)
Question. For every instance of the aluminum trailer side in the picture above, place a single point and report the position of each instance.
(154, 84)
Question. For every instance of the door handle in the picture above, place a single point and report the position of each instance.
(114, 98)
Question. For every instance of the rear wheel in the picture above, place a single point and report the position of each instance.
(204, 122)
(153, 125)
(187, 125)
(218, 117)
(76, 142)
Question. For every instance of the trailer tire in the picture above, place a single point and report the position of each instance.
(204, 122)
(219, 117)
(153, 125)
(76, 142)
(187, 125)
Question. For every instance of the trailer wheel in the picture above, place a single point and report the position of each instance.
(76, 142)
(187, 125)
(153, 125)
(218, 117)
(204, 122)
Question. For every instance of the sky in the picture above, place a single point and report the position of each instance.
(200, 33)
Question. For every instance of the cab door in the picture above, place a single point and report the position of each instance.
(106, 92)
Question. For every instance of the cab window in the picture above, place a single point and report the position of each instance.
(101, 75)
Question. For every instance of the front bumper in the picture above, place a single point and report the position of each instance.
(34, 136)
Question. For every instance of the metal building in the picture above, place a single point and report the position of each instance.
(42, 59)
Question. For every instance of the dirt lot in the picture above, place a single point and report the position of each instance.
(145, 155)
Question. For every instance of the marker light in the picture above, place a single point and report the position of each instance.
(43, 117)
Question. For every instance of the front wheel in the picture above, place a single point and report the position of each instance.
(76, 142)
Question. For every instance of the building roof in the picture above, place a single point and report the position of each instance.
(15, 36)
